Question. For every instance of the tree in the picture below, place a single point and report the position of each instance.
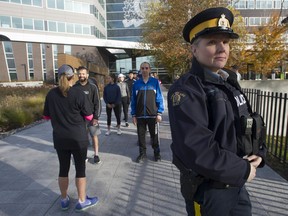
(163, 27)
(268, 47)
(164, 22)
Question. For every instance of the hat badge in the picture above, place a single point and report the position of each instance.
(223, 22)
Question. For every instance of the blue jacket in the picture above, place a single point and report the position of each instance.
(147, 99)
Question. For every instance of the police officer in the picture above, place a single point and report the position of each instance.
(205, 112)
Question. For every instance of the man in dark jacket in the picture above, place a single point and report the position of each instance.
(92, 92)
(209, 116)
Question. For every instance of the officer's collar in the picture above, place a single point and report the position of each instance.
(207, 75)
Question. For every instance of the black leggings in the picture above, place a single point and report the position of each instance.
(117, 112)
(79, 156)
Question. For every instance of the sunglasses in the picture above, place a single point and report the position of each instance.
(144, 68)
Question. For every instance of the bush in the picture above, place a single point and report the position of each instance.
(20, 106)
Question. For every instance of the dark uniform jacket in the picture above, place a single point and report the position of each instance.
(204, 114)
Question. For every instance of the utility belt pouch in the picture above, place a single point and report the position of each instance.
(189, 180)
(246, 138)
(258, 132)
(189, 185)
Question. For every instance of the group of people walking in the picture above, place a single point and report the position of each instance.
(74, 108)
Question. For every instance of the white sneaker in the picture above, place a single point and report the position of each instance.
(119, 132)
(107, 133)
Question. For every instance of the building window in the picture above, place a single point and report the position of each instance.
(68, 5)
(55, 58)
(251, 4)
(30, 60)
(27, 2)
(61, 27)
(10, 60)
(67, 49)
(78, 29)
(43, 52)
(52, 26)
(39, 25)
(86, 30)
(264, 4)
(51, 4)
(5, 21)
(17, 23)
(37, 3)
(70, 28)
(28, 23)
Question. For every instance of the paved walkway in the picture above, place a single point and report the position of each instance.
(29, 169)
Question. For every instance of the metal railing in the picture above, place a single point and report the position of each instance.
(273, 107)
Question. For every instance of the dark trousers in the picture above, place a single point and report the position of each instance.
(142, 124)
(117, 112)
(125, 106)
(232, 201)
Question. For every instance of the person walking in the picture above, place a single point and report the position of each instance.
(147, 107)
(112, 98)
(92, 92)
(67, 108)
(125, 97)
(210, 120)
(130, 81)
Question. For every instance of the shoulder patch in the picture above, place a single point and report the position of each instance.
(177, 98)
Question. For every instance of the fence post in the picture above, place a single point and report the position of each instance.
(258, 95)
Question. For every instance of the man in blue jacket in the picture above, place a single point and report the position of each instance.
(146, 108)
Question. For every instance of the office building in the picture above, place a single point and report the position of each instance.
(100, 34)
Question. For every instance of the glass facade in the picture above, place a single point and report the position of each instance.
(37, 3)
(124, 19)
(261, 4)
(52, 26)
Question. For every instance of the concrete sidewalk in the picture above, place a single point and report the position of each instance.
(29, 169)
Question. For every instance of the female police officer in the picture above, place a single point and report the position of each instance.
(205, 110)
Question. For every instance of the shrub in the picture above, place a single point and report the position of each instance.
(20, 106)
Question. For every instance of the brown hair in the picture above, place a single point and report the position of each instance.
(65, 84)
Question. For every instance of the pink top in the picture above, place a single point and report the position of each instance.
(88, 118)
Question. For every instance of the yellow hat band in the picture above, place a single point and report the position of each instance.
(207, 24)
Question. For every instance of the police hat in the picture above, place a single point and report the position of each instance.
(210, 21)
